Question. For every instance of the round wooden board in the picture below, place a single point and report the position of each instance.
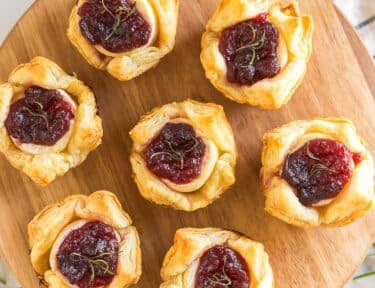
(338, 83)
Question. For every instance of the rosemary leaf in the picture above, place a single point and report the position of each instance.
(371, 273)
(41, 113)
(319, 167)
(310, 154)
(161, 153)
(177, 154)
(118, 17)
(93, 261)
(253, 46)
(253, 30)
(221, 279)
(92, 276)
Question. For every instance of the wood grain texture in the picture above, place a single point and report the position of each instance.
(338, 83)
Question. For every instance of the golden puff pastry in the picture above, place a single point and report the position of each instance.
(125, 63)
(207, 148)
(189, 255)
(42, 162)
(292, 51)
(352, 199)
(50, 229)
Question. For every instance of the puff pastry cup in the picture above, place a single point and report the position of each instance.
(182, 261)
(353, 201)
(293, 51)
(48, 226)
(217, 169)
(44, 164)
(162, 16)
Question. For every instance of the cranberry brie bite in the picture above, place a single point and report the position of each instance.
(256, 52)
(183, 154)
(48, 120)
(317, 172)
(85, 242)
(213, 258)
(124, 37)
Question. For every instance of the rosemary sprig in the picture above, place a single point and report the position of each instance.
(94, 262)
(118, 17)
(253, 46)
(221, 279)
(41, 113)
(177, 154)
(317, 167)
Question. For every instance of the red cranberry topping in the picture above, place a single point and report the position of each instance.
(250, 50)
(42, 117)
(356, 158)
(222, 267)
(176, 153)
(116, 25)
(319, 170)
(88, 255)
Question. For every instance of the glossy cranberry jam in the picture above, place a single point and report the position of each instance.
(222, 267)
(116, 25)
(42, 117)
(319, 170)
(88, 255)
(176, 153)
(250, 50)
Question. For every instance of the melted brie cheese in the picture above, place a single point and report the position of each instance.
(208, 163)
(60, 145)
(148, 13)
(282, 52)
(60, 238)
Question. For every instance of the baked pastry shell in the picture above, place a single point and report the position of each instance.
(182, 259)
(207, 119)
(295, 32)
(103, 206)
(355, 199)
(86, 131)
(137, 61)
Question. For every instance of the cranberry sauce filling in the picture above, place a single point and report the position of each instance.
(319, 170)
(88, 255)
(222, 267)
(176, 153)
(42, 117)
(116, 25)
(250, 50)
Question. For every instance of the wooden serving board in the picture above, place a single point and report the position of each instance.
(340, 82)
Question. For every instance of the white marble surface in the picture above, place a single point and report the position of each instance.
(356, 10)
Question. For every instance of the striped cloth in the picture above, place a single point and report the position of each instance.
(361, 13)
